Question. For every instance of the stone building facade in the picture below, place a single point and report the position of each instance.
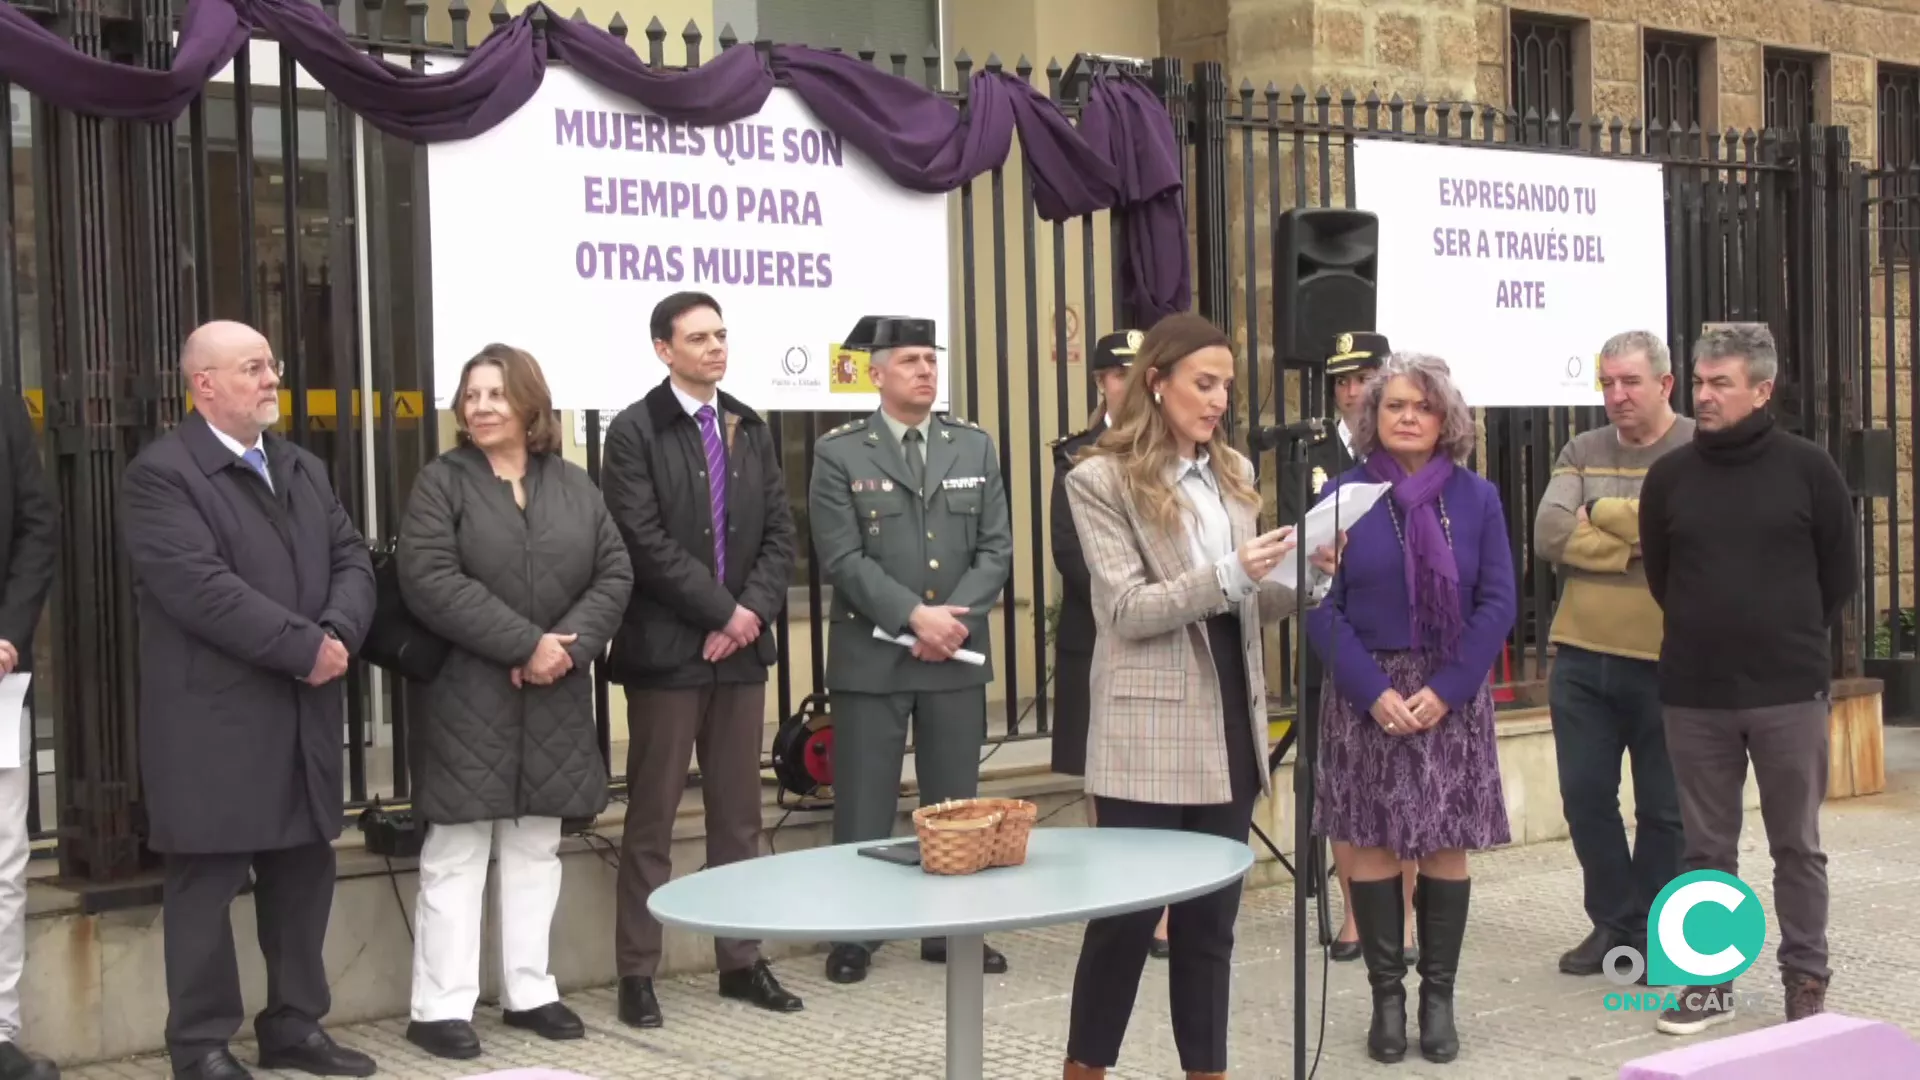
(1743, 65)
(1718, 63)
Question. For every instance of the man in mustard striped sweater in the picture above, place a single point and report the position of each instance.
(1603, 689)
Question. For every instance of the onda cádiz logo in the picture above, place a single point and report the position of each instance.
(1705, 929)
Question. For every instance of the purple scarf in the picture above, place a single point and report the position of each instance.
(1433, 577)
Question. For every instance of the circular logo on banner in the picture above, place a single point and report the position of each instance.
(1573, 367)
(795, 361)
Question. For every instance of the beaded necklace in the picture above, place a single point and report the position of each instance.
(1446, 523)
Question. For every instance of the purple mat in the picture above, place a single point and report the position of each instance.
(1829, 1046)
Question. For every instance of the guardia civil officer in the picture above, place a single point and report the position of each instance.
(911, 526)
(1353, 359)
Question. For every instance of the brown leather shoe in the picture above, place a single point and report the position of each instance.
(1077, 1071)
(1806, 995)
(1206, 1076)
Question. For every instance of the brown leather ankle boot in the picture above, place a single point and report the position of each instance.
(1077, 1071)
(1206, 1076)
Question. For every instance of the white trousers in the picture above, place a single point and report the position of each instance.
(447, 915)
(14, 786)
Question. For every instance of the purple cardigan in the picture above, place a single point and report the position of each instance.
(1368, 609)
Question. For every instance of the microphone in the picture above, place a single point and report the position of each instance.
(1267, 438)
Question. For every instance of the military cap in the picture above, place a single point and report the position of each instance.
(1356, 351)
(1116, 349)
(876, 332)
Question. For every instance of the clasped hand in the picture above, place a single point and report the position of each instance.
(328, 664)
(937, 632)
(742, 630)
(550, 661)
(1408, 716)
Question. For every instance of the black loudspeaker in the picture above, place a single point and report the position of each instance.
(1325, 265)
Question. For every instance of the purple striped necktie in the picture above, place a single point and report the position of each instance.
(716, 487)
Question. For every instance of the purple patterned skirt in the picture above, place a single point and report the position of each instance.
(1413, 794)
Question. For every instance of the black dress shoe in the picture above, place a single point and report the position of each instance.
(17, 1064)
(213, 1065)
(638, 1006)
(756, 986)
(1588, 957)
(454, 1040)
(934, 951)
(1341, 952)
(319, 1055)
(1159, 949)
(550, 1021)
(848, 964)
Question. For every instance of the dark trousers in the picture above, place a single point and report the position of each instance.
(1604, 706)
(292, 898)
(870, 746)
(720, 725)
(1199, 931)
(1788, 746)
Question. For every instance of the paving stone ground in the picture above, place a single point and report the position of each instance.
(1519, 1018)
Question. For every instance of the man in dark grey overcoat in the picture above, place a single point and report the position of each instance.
(253, 587)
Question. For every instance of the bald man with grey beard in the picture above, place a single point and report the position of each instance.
(253, 589)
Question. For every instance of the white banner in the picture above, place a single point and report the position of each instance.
(557, 232)
(1514, 268)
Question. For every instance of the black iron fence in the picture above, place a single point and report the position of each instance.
(268, 202)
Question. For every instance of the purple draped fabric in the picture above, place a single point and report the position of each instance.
(50, 67)
(1126, 123)
(1123, 156)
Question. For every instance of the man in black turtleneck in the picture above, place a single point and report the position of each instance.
(1749, 539)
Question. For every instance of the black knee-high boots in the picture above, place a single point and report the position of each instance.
(1379, 914)
(1440, 911)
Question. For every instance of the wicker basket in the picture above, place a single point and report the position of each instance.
(966, 836)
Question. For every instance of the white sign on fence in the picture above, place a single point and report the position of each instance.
(558, 231)
(1514, 267)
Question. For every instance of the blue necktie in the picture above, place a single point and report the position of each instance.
(256, 459)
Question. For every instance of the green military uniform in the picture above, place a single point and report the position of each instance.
(892, 534)
(887, 549)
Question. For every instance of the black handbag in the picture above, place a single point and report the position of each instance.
(396, 641)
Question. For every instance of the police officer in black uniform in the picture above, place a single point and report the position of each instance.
(1073, 638)
(1351, 362)
(1354, 357)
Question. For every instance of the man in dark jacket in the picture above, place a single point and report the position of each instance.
(1749, 536)
(1073, 638)
(29, 541)
(692, 478)
(253, 588)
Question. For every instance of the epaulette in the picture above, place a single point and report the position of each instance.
(1065, 439)
(847, 428)
(956, 421)
(1322, 435)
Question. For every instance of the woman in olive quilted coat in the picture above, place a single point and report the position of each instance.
(507, 552)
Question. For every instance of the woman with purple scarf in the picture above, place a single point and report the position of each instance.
(1409, 633)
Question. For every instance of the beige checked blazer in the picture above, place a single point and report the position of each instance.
(1154, 733)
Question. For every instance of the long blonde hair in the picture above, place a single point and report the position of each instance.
(1145, 444)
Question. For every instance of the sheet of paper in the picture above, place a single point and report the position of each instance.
(14, 733)
(1349, 503)
(965, 656)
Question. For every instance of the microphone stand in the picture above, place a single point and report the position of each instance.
(1310, 879)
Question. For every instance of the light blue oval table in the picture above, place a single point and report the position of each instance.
(836, 894)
